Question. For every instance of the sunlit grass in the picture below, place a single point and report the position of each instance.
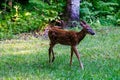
(22, 46)
(28, 59)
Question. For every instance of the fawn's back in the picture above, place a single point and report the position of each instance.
(62, 36)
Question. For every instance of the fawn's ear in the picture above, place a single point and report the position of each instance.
(82, 24)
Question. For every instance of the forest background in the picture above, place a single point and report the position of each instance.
(30, 15)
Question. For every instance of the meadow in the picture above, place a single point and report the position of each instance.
(27, 59)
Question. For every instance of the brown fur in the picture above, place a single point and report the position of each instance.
(70, 38)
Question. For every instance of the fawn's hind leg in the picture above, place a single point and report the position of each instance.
(53, 57)
(51, 50)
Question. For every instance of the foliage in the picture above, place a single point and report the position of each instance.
(28, 59)
(35, 15)
(100, 10)
(26, 19)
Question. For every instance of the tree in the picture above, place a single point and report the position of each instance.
(73, 7)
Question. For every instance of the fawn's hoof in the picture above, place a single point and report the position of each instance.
(53, 59)
(82, 67)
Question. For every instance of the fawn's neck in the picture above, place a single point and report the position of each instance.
(81, 35)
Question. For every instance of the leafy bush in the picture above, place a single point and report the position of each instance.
(36, 14)
(26, 19)
(100, 10)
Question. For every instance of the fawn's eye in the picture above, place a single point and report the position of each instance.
(88, 29)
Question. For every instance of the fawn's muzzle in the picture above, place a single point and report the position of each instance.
(90, 31)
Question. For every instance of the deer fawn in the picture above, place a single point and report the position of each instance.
(70, 38)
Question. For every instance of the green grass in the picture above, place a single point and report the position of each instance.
(28, 59)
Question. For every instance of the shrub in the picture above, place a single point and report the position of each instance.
(27, 19)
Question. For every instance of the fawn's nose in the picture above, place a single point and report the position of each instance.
(90, 31)
(93, 33)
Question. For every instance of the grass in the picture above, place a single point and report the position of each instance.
(28, 59)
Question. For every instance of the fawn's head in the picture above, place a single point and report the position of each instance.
(87, 28)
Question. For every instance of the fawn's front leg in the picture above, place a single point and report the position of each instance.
(71, 56)
(78, 56)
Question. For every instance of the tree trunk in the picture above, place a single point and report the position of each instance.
(73, 7)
